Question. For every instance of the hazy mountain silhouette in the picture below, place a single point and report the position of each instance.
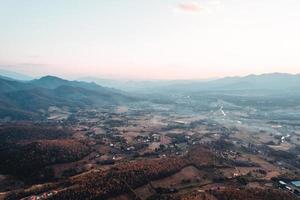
(271, 82)
(15, 75)
(274, 81)
(30, 97)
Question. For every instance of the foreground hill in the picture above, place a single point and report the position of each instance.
(25, 100)
(132, 180)
(26, 150)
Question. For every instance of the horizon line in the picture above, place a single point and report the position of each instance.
(81, 78)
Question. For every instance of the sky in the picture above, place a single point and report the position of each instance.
(150, 39)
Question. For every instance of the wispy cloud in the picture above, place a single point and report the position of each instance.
(190, 7)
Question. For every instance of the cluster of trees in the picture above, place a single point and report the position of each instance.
(177, 138)
(123, 177)
(280, 154)
(28, 150)
(30, 161)
(201, 156)
(288, 176)
(229, 194)
(19, 132)
(253, 194)
(120, 179)
(194, 195)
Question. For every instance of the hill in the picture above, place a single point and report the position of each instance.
(14, 75)
(26, 149)
(24, 100)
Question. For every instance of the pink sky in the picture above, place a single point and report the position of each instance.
(141, 39)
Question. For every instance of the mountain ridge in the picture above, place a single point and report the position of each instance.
(30, 97)
(249, 82)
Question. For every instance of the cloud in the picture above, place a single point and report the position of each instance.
(190, 7)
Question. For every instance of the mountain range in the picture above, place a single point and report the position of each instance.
(271, 81)
(25, 99)
(21, 99)
(14, 75)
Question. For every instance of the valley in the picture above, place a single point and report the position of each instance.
(203, 145)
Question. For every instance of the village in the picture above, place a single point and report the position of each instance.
(120, 136)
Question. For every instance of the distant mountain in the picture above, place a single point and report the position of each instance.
(138, 85)
(26, 99)
(52, 82)
(6, 78)
(29, 98)
(47, 82)
(15, 75)
(272, 82)
(8, 85)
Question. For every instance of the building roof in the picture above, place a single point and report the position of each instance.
(296, 183)
(282, 183)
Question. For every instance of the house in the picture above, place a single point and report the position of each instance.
(282, 184)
